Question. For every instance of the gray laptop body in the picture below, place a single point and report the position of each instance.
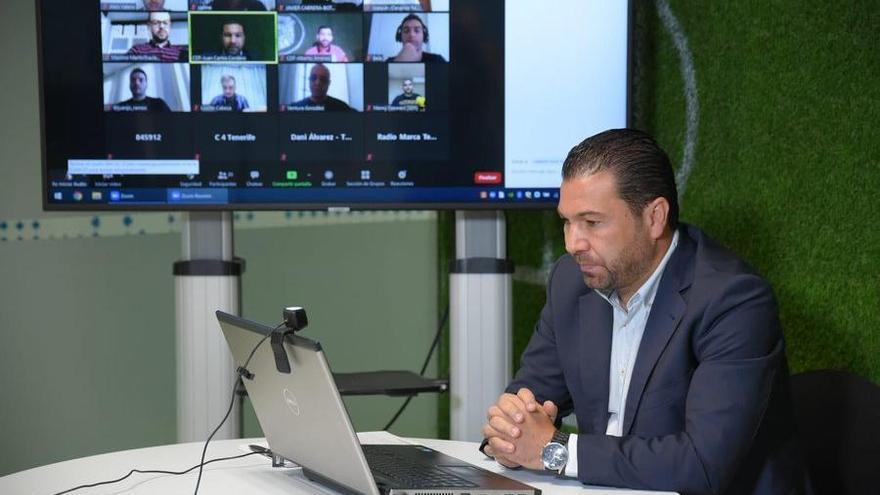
(304, 420)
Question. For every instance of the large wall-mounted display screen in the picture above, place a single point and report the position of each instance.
(299, 104)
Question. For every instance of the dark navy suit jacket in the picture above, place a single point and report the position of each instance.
(708, 408)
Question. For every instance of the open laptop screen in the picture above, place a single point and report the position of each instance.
(301, 413)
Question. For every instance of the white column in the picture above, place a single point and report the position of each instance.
(481, 343)
(205, 370)
(480, 348)
(207, 279)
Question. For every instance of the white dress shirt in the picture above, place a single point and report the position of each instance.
(627, 329)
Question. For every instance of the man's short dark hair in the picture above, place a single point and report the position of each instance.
(137, 69)
(640, 167)
(324, 26)
(231, 21)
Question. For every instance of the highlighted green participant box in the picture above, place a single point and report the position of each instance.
(239, 38)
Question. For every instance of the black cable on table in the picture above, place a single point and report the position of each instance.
(156, 471)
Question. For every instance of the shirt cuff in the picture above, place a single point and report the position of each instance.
(571, 468)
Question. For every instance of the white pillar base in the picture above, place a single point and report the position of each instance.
(205, 370)
(481, 346)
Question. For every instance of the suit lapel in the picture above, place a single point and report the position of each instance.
(666, 313)
(595, 320)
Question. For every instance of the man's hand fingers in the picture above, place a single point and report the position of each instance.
(504, 461)
(513, 407)
(501, 447)
(550, 409)
(500, 426)
(500, 430)
(407, 53)
(504, 427)
(495, 411)
(528, 399)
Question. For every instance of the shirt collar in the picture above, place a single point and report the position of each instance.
(645, 294)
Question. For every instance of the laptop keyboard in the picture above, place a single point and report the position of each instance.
(404, 472)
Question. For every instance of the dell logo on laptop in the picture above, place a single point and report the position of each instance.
(291, 402)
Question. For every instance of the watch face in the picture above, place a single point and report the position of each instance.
(554, 456)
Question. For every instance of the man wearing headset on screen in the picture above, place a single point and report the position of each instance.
(413, 34)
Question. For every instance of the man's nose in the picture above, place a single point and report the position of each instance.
(576, 242)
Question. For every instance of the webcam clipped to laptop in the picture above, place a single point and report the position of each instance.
(304, 420)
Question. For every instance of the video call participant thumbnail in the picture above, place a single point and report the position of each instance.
(242, 5)
(233, 88)
(148, 5)
(320, 37)
(405, 5)
(410, 38)
(229, 100)
(413, 34)
(159, 47)
(139, 101)
(318, 98)
(233, 5)
(154, 4)
(405, 87)
(319, 5)
(151, 87)
(241, 38)
(324, 47)
(408, 98)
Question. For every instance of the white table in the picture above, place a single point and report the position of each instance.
(252, 475)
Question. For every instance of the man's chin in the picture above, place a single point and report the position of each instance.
(596, 283)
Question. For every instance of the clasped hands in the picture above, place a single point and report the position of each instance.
(518, 428)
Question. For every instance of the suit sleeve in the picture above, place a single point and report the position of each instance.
(540, 370)
(738, 347)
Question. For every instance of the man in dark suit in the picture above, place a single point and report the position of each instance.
(666, 346)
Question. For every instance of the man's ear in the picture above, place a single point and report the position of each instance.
(655, 215)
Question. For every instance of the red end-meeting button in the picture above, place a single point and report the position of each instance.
(487, 177)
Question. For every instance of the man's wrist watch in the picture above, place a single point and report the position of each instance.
(555, 453)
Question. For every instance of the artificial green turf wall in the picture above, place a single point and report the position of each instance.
(787, 163)
(786, 172)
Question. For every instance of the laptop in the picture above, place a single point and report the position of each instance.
(305, 421)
